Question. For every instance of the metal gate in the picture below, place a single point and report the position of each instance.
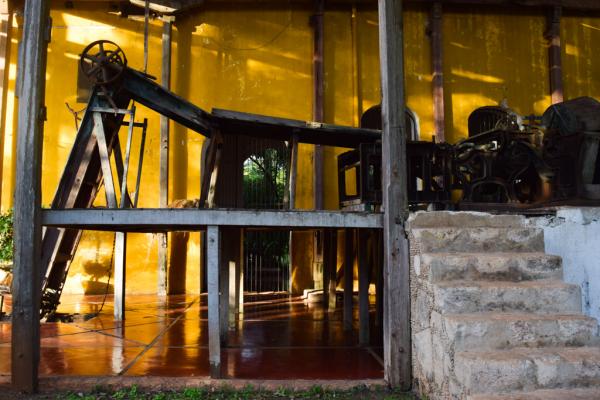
(265, 186)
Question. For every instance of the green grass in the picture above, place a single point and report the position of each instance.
(228, 393)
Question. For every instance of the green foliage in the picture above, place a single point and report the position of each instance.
(6, 236)
(247, 392)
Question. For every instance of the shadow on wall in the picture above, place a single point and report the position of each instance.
(98, 276)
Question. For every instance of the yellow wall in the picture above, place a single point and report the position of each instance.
(259, 60)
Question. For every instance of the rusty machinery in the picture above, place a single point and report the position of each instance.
(507, 161)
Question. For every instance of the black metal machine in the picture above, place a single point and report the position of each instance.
(504, 161)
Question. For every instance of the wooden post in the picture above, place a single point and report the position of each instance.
(164, 156)
(120, 275)
(554, 54)
(438, 71)
(213, 244)
(318, 97)
(363, 289)
(348, 279)
(26, 286)
(396, 324)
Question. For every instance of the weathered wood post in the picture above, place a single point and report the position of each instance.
(27, 213)
(164, 155)
(396, 323)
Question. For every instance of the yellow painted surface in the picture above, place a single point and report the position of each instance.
(260, 60)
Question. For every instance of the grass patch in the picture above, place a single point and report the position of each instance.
(228, 393)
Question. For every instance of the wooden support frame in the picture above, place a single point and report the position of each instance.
(25, 344)
(437, 58)
(164, 156)
(189, 219)
(213, 250)
(396, 323)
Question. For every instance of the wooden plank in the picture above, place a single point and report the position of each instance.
(156, 220)
(26, 287)
(318, 23)
(120, 258)
(363, 289)
(571, 4)
(554, 55)
(348, 279)
(312, 132)
(109, 185)
(437, 58)
(396, 324)
(213, 244)
(163, 200)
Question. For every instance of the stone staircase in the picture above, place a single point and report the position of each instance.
(491, 315)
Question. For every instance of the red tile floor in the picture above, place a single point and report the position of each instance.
(279, 338)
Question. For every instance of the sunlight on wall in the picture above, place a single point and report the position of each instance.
(259, 60)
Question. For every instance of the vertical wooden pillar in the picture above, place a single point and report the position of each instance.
(120, 275)
(26, 287)
(438, 71)
(318, 97)
(213, 244)
(554, 54)
(348, 279)
(363, 289)
(164, 156)
(396, 323)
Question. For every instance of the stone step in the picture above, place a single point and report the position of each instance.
(527, 370)
(490, 266)
(464, 219)
(539, 296)
(477, 240)
(494, 331)
(544, 394)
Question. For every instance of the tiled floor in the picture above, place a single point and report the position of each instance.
(279, 338)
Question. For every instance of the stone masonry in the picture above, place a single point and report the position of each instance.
(491, 315)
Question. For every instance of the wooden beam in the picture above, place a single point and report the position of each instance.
(396, 324)
(164, 157)
(348, 279)
(438, 71)
(554, 55)
(189, 219)
(26, 287)
(584, 5)
(363, 289)
(213, 245)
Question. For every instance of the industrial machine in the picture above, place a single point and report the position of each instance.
(506, 162)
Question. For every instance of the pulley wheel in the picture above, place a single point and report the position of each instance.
(102, 62)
